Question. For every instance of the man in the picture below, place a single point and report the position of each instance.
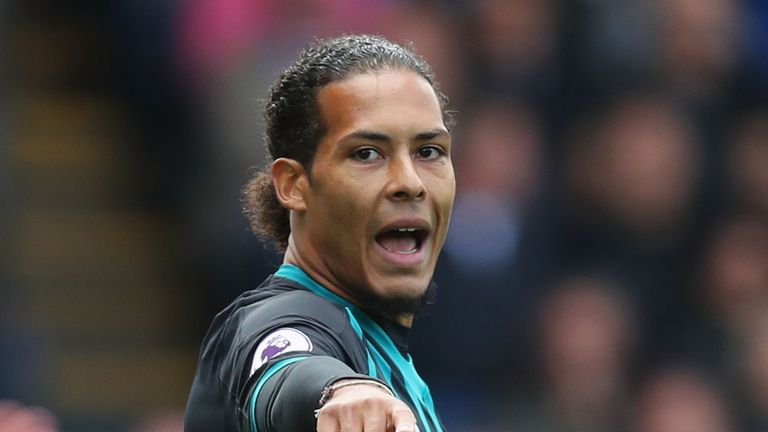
(358, 196)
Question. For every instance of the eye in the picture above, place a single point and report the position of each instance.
(431, 152)
(367, 154)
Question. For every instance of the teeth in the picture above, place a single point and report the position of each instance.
(406, 229)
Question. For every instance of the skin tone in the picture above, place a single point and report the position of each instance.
(18, 418)
(383, 166)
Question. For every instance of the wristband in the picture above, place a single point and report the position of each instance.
(329, 390)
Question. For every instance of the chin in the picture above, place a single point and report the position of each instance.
(400, 297)
(402, 285)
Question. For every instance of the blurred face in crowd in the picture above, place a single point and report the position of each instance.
(681, 401)
(748, 162)
(699, 42)
(735, 272)
(517, 31)
(586, 336)
(755, 364)
(503, 152)
(374, 211)
(640, 166)
(651, 154)
(429, 27)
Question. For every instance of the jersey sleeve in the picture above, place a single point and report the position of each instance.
(282, 354)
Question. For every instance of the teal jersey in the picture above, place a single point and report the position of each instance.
(269, 333)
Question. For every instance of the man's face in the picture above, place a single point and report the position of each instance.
(381, 187)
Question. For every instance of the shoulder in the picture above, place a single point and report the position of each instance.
(275, 304)
(274, 321)
(297, 306)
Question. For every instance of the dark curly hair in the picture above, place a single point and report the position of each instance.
(294, 125)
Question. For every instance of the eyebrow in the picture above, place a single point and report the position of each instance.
(382, 137)
(431, 134)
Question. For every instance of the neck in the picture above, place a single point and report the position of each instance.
(294, 258)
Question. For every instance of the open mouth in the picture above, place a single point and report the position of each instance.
(404, 240)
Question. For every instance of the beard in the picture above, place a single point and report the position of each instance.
(396, 306)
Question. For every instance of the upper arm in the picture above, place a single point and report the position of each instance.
(263, 364)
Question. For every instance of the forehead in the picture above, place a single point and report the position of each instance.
(392, 100)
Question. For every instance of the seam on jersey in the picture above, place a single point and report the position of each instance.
(414, 384)
(419, 402)
(354, 323)
(359, 331)
(263, 380)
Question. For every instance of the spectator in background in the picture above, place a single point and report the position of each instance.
(753, 377)
(735, 273)
(516, 54)
(692, 50)
(217, 36)
(681, 400)
(699, 47)
(748, 163)
(700, 58)
(15, 417)
(630, 181)
(733, 294)
(635, 167)
(500, 160)
(587, 335)
(432, 32)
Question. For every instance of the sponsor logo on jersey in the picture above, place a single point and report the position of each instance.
(278, 342)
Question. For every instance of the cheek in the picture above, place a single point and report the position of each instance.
(348, 212)
(353, 200)
(444, 190)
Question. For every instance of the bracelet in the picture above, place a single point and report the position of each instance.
(329, 390)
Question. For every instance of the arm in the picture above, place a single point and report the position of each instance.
(279, 357)
(360, 406)
(324, 394)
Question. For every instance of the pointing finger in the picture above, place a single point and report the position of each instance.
(407, 427)
(404, 420)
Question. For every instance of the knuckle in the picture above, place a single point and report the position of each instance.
(402, 410)
(375, 403)
(330, 410)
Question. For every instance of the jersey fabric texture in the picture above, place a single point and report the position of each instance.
(342, 341)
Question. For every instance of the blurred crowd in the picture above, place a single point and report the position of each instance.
(607, 263)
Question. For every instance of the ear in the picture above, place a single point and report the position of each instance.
(290, 180)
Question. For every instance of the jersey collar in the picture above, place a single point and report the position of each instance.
(396, 333)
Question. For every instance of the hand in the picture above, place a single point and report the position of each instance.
(365, 408)
(17, 418)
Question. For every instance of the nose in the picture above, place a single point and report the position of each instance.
(404, 182)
